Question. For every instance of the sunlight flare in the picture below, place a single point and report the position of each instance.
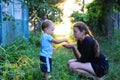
(65, 27)
(68, 7)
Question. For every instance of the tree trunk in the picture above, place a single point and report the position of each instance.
(108, 20)
(116, 20)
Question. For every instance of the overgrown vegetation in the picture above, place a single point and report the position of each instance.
(99, 16)
(20, 61)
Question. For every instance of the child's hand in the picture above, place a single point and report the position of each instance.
(65, 40)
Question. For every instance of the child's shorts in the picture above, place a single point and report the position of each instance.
(46, 64)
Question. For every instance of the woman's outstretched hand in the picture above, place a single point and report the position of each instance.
(69, 45)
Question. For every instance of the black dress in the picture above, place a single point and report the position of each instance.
(86, 48)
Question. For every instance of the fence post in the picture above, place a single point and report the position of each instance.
(26, 27)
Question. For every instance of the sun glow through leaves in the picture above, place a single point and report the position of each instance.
(68, 6)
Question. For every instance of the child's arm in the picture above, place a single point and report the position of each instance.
(59, 41)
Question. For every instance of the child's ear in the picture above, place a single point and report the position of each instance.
(45, 29)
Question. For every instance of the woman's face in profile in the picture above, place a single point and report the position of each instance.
(77, 34)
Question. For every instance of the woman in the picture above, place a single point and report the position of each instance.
(89, 60)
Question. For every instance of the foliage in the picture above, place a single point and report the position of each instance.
(116, 8)
(20, 61)
(35, 40)
(17, 61)
(55, 1)
(113, 53)
(39, 8)
(95, 15)
(94, 12)
(77, 16)
(92, 16)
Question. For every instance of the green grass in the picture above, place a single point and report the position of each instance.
(20, 61)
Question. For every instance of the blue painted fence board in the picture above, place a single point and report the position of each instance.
(17, 27)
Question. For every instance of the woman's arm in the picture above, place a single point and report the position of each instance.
(75, 50)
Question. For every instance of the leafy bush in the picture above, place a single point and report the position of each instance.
(20, 61)
(17, 61)
(35, 38)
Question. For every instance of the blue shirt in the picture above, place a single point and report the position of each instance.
(46, 48)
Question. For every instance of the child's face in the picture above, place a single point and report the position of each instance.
(50, 30)
(77, 33)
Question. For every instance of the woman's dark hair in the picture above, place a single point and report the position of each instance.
(83, 27)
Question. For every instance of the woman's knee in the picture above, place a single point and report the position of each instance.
(72, 60)
(72, 67)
